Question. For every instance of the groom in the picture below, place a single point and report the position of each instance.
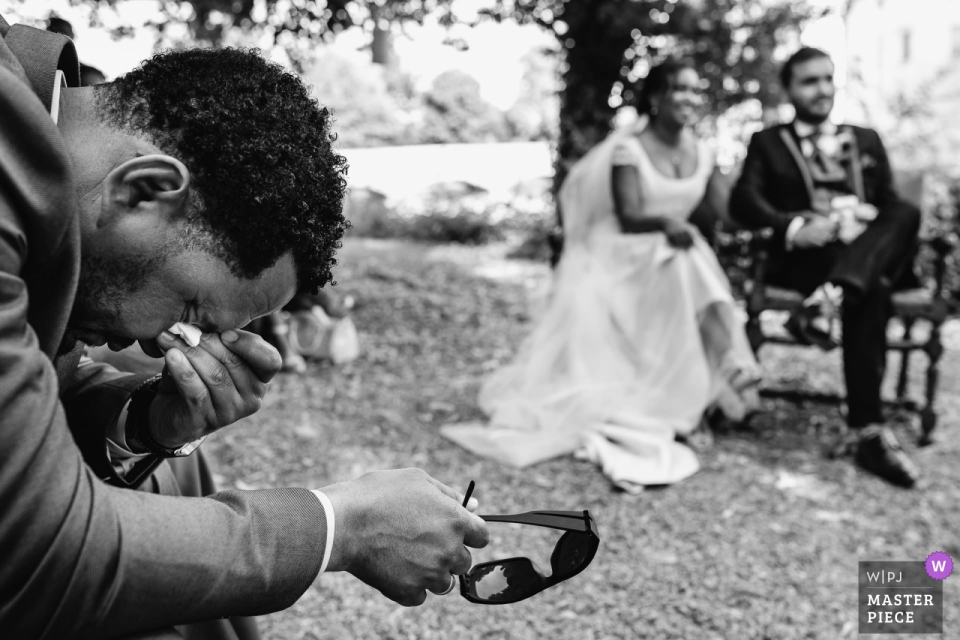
(827, 193)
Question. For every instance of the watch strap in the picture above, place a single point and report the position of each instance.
(138, 421)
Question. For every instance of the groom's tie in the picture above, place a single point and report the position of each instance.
(823, 166)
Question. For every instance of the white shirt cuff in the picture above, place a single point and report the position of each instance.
(795, 225)
(331, 527)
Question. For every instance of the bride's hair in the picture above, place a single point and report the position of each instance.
(659, 82)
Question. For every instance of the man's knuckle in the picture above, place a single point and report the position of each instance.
(229, 414)
(213, 418)
(252, 405)
(198, 397)
(234, 362)
(219, 377)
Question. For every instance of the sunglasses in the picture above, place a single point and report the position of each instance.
(515, 579)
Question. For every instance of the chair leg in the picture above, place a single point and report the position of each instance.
(904, 364)
(755, 334)
(928, 417)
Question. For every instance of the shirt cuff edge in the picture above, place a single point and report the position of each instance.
(331, 527)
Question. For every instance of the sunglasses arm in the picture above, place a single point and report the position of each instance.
(566, 523)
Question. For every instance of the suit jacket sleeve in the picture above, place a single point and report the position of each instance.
(86, 559)
(749, 204)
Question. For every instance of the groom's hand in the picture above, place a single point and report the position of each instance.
(818, 231)
(403, 533)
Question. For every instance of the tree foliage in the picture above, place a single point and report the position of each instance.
(535, 113)
(456, 112)
(607, 45)
(209, 20)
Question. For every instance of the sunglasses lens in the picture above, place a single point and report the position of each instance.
(571, 553)
(505, 581)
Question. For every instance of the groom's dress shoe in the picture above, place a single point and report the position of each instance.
(880, 453)
(800, 325)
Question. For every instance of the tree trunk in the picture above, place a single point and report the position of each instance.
(382, 45)
(592, 67)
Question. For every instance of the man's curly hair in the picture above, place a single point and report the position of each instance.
(265, 177)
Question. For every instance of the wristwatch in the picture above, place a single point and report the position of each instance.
(138, 422)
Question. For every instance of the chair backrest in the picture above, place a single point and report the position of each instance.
(910, 185)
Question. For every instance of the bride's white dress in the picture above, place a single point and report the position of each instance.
(616, 366)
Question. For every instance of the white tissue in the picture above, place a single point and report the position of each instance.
(189, 333)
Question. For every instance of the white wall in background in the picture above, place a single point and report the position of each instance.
(404, 172)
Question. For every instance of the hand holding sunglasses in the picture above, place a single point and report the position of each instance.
(515, 579)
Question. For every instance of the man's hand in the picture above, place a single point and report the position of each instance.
(866, 212)
(403, 533)
(678, 233)
(209, 386)
(818, 231)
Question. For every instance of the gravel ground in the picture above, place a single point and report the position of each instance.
(763, 542)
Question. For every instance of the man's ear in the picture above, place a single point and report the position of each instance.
(156, 184)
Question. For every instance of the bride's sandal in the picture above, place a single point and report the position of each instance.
(740, 396)
(701, 438)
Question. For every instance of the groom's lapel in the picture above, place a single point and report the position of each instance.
(856, 166)
(794, 149)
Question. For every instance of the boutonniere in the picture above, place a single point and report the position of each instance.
(846, 141)
(867, 161)
(835, 143)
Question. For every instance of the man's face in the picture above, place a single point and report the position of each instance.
(120, 300)
(811, 89)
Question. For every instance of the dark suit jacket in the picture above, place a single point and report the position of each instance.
(774, 186)
(83, 558)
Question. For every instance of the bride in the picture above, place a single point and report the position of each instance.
(641, 334)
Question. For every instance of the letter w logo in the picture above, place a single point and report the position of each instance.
(939, 565)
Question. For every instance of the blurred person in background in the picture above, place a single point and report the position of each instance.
(641, 336)
(311, 326)
(88, 75)
(125, 210)
(842, 235)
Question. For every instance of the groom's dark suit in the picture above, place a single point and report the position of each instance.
(775, 187)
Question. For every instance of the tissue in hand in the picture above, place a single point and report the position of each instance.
(189, 333)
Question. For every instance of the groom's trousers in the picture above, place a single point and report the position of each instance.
(868, 269)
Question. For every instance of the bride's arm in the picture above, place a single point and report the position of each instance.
(715, 204)
(717, 197)
(626, 203)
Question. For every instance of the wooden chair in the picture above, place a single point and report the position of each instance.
(911, 307)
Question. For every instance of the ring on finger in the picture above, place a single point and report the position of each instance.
(453, 583)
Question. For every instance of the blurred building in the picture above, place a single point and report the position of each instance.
(896, 46)
(903, 69)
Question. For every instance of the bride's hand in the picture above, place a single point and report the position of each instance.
(678, 233)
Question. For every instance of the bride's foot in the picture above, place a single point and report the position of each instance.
(740, 396)
(701, 438)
